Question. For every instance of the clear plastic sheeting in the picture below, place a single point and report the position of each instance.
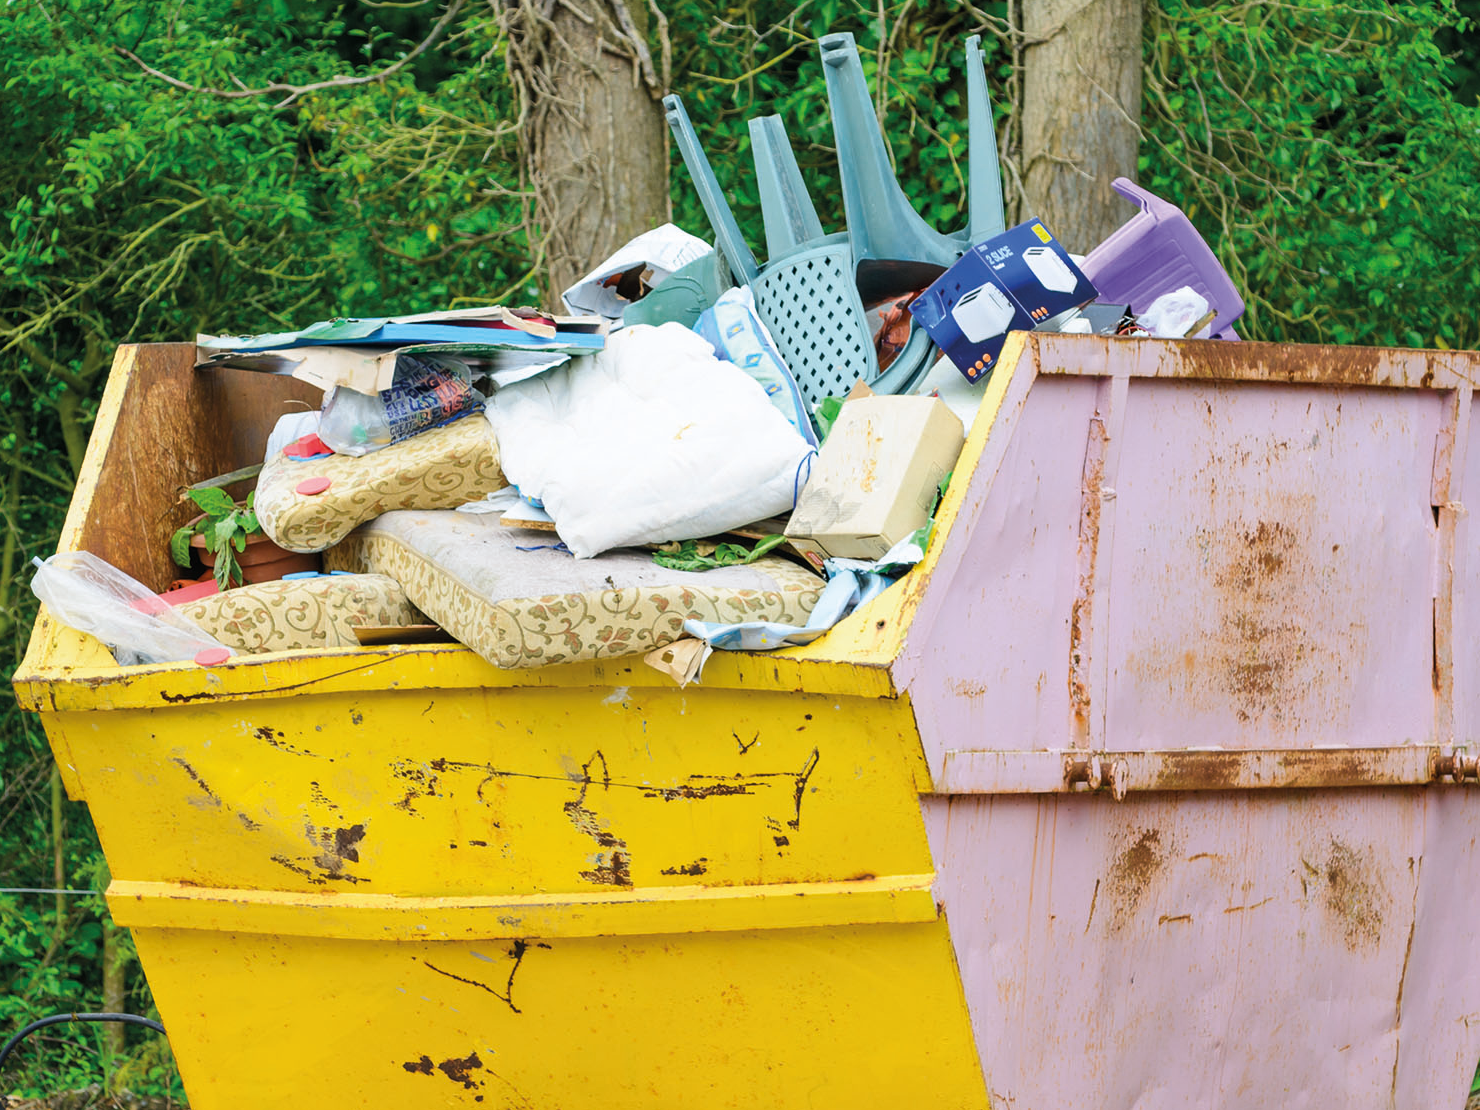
(93, 596)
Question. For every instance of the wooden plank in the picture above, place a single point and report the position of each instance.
(172, 426)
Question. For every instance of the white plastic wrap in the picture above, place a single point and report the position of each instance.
(94, 596)
(1173, 315)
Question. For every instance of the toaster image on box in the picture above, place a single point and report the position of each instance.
(1050, 269)
(983, 312)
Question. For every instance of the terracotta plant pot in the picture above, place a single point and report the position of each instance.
(262, 561)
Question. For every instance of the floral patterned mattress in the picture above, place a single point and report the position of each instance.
(438, 469)
(518, 600)
(303, 612)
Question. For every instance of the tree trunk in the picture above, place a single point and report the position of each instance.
(1081, 104)
(593, 129)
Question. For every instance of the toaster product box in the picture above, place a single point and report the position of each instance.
(875, 478)
(1011, 282)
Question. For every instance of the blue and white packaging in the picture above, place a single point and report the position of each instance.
(738, 335)
(1012, 282)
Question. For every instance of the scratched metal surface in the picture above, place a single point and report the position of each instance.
(828, 1017)
(710, 897)
(519, 791)
(1218, 561)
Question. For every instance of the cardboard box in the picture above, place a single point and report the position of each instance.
(1011, 282)
(875, 478)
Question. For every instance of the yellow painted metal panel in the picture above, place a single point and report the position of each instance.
(74, 672)
(677, 909)
(491, 792)
(380, 876)
(868, 1016)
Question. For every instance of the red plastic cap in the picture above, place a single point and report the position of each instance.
(307, 446)
(310, 486)
(211, 657)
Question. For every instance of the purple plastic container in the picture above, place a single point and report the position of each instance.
(1158, 251)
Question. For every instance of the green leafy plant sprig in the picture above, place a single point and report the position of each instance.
(225, 527)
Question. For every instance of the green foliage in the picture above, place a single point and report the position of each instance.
(1322, 151)
(698, 555)
(225, 526)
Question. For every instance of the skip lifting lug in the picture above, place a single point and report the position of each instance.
(1457, 766)
(1100, 774)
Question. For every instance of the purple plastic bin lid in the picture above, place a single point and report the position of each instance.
(1158, 251)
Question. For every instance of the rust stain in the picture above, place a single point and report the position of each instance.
(1354, 894)
(616, 871)
(178, 699)
(698, 867)
(276, 739)
(1332, 767)
(316, 792)
(422, 1065)
(1198, 771)
(194, 775)
(1080, 613)
(801, 787)
(696, 793)
(1167, 918)
(1266, 618)
(417, 781)
(333, 849)
(459, 1070)
(1252, 906)
(965, 688)
(613, 867)
(610, 870)
(1133, 874)
(1277, 362)
(1260, 650)
(1262, 646)
(337, 847)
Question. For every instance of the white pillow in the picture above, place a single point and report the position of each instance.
(653, 439)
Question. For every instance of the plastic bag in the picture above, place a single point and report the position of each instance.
(90, 595)
(424, 393)
(1174, 315)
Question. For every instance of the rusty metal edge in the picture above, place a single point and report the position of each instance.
(1288, 363)
(1068, 771)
